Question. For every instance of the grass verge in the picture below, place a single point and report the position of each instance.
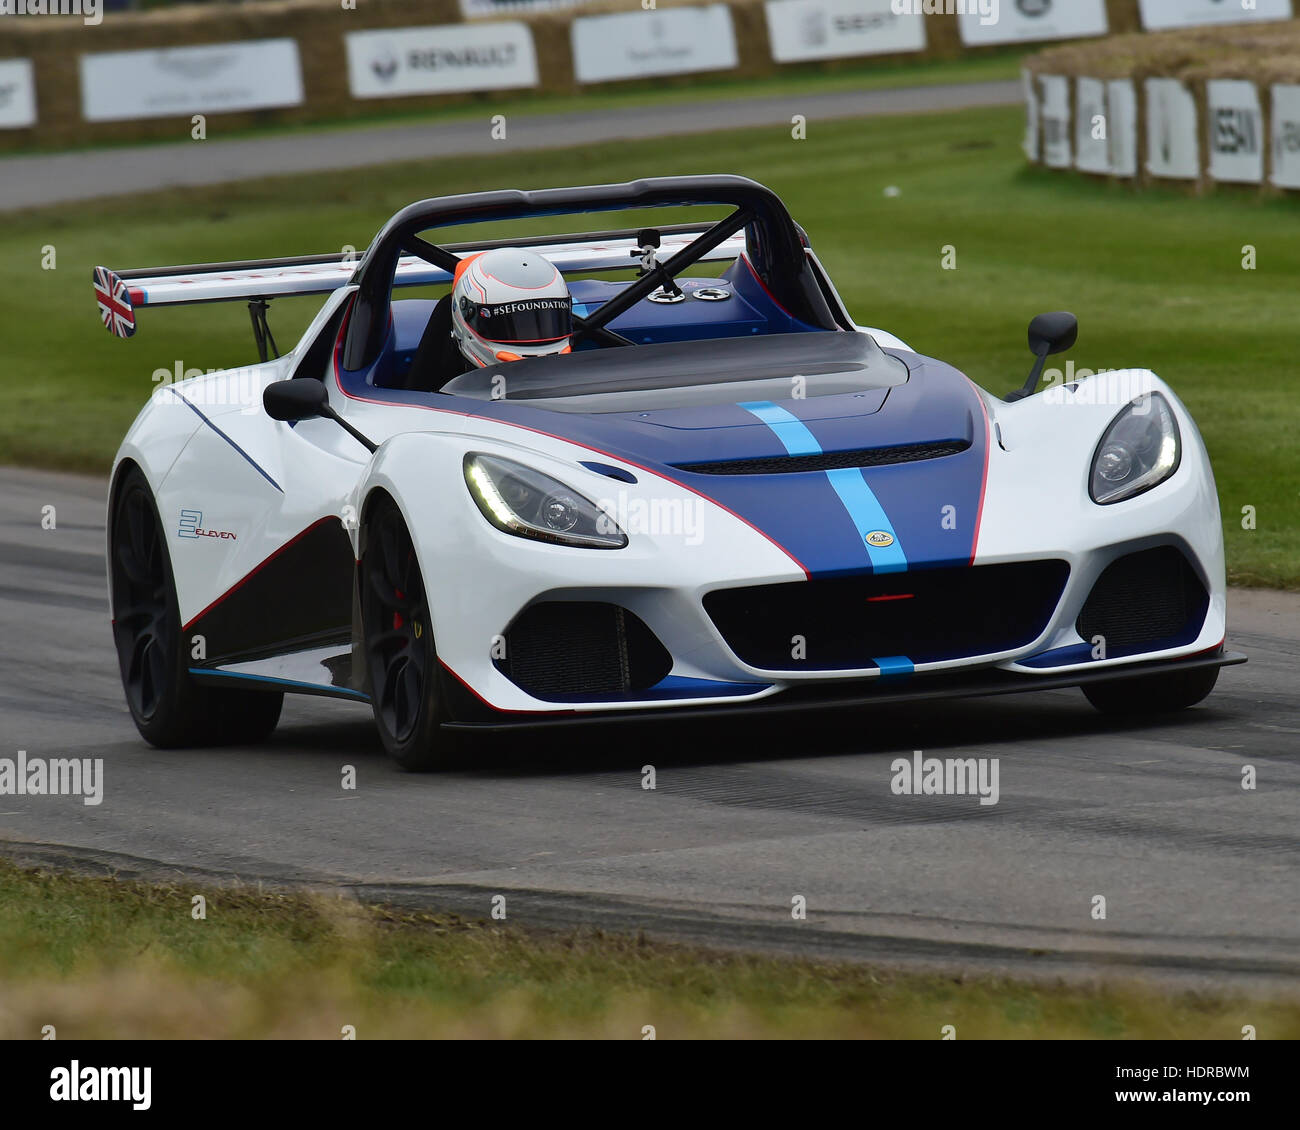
(100, 958)
(1155, 278)
(791, 82)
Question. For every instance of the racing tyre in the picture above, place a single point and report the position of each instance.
(168, 707)
(1155, 694)
(407, 686)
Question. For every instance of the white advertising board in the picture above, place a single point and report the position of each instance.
(1030, 144)
(1091, 126)
(1286, 136)
(639, 44)
(17, 94)
(1172, 147)
(1122, 126)
(1055, 110)
(1029, 21)
(217, 78)
(390, 62)
(478, 9)
(800, 30)
(1235, 131)
(1158, 15)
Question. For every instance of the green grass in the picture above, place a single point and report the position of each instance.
(100, 959)
(1155, 278)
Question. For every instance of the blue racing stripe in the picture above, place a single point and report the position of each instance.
(862, 505)
(870, 518)
(790, 430)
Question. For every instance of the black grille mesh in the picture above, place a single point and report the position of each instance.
(567, 649)
(828, 460)
(847, 623)
(1149, 597)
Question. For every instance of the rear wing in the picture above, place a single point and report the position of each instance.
(121, 293)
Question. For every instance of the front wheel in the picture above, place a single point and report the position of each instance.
(1153, 694)
(168, 707)
(407, 688)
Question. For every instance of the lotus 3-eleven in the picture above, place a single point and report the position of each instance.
(721, 495)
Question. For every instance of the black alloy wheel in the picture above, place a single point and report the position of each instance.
(406, 682)
(168, 707)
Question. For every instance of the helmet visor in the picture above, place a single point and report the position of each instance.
(529, 321)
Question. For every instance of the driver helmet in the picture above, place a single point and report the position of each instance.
(507, 304)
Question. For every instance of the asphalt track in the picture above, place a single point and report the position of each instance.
(56, 178)
(1200, 876)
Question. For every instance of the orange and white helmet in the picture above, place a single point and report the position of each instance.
(508, 304)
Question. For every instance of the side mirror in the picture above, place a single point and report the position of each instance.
(1052, 333)
(305, 398)
(302, 398)
(1048, 334)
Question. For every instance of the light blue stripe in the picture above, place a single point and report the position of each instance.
(895, 665)
(858, 499)
(868, 515)
(789, 429)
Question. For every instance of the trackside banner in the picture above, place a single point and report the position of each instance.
(1235, 131)
(1173, 151)
(1286, 136)
(1157, 15)
(17, 94)
(223, 77)
(1025, 21)
(1105, 126)
(1054, 113)
(1030, 87)
(1122, 126)
(801, 30)
(642, 43)
(392, 62)
(1091, 126)
(477, 9)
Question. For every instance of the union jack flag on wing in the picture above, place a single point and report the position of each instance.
(114, 303)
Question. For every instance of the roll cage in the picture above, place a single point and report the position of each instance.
(774, 245)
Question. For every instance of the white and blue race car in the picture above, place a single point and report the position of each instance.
(728, 497)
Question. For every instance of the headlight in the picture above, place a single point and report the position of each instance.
(525, 502)
(1139, 450)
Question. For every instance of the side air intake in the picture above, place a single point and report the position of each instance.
(566, 650)
(1145, 601)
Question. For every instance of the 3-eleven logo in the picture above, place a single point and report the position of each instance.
(192, 527)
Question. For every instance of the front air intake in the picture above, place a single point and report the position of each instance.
(848, 623)
(1145, 601)
(566, 650)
